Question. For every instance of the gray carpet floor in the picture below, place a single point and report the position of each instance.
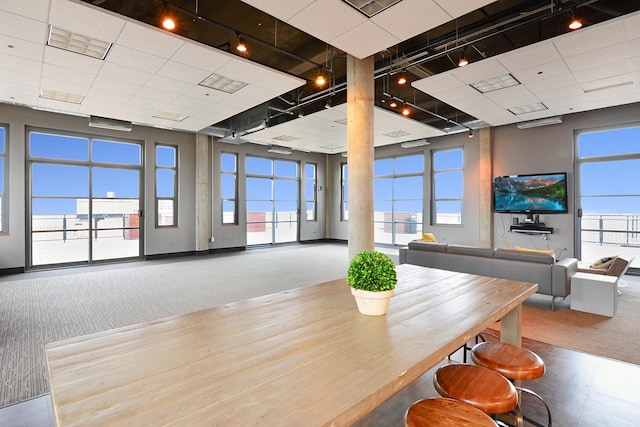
(42, 307)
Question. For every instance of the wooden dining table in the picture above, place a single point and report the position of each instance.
(305, 356)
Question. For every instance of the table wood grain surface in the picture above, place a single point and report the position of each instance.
(300, 357)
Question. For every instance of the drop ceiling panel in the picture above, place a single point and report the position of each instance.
(22, 27)
(83, 20)
(333, 138)
(569, 73)
(146, 71)
(333, 22)
(136, 59)
(34, 9)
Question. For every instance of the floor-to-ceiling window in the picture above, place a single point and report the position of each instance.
(398, 199)
(85, 198)
(272, 200)
(608, 194)
(4, 173)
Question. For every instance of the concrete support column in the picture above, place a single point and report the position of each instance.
(485, 172)
(203, 194)
(360, 99)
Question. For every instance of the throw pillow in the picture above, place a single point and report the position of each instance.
(543, 251)
(604, 263)
(429, 237)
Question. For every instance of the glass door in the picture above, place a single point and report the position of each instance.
(85, 200)
(272, 201)
(608, 199)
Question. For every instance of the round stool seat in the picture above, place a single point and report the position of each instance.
(478, 386)
(512, 361)
(444, 412)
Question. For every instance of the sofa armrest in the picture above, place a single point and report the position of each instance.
(561, 273)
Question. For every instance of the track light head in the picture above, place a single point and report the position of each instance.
(242, 44)
(470, 133)
(320, 80)
(403, 78)
(405, 111)
(575, 23)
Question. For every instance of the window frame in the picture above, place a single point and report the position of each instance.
(4, 192)
(235, 189)
(174, 199)
(434, 199)
(314, 199)
(344, 189)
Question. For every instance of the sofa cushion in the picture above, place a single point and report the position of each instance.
(470, 250)
(513, 254)
(542, 251)
(428, 246)
(429, 237)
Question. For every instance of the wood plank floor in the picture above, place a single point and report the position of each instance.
(581, 389)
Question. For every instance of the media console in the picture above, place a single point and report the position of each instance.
(531, 229)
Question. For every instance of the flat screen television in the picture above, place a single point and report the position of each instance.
(531, 194)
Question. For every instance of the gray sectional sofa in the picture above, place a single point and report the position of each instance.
(553, 277)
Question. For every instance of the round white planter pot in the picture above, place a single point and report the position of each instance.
(372, 303)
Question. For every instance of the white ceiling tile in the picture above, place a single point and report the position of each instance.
(149, 39)
(634, 48)
(635, 65)
(632, 26)
(530, 56)
(207, 94)
(19, 97)
(244, 70)
(357, 40)
(23, 65)
(169, 84)
(200, 56)
(136, 59)
(56, 72)
(481, 70)
(602, 71)
(22, 27)
(541, 72)
(614, 82)
(257, 93)
(415, 15)
(21, 48)
(64, 86)
(34, 9)
(535, 115)
(183, 72)
(156, 94)
(590, 38)
(102, 82)
(327, 19)
(282, 9)
(553, 83)
(518, 102)
(240, 102)
(85, 19)
(18, 78)
(127, 74)
(456, 94)
(189, 101)
(500, 95)
(456, 8)
(279, 83)
(438, 83)
(64, 58)
(604, 56)
(106, 96)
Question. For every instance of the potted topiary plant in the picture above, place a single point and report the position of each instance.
(372, 278)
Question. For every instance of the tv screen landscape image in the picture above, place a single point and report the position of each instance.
(535, 194)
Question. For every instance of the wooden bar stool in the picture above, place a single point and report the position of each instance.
(444, 412)
(512, 361)
(480, 387)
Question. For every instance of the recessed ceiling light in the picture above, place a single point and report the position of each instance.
(530, 108)
(77, 43)
(397, 134)
(61, 96)
(222, 83)
(495, 83)
(371, 7)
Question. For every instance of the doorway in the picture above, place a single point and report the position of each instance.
(85, 198)
(608, 198)
(273, 210)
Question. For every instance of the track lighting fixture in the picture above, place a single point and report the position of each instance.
(403, 78)
(405, 110)
(168, 23)
(393, 104)
(320, 80)
(463, 59)
(575, 22)
(447, 126)
(242, 45)
(329, 103)
(470, 133)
